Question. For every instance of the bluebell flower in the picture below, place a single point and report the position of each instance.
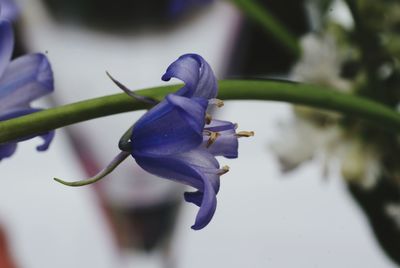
(179, 7)
(22, 80)
(178, 140)
(8, 10)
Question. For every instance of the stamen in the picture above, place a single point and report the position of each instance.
(217, 102)
(213, 138)
(107, 170)
(132, 94)
(208, 119)
(223, 170)
(245, 134)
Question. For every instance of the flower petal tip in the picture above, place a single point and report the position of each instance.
(47, 139)
(197, 75)
(45, 72)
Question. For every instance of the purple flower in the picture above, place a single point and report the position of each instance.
(178, 140)
(22, 80)
(8, 10)
(178, 7)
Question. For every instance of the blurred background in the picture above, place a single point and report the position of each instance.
(273, 211)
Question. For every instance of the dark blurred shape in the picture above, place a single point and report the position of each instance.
(118, 15)
(257, 53)
(374, 203)
(145, 228)
(179, 7)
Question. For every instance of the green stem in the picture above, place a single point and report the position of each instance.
(259, 14)
(314, 96)
(110, 168)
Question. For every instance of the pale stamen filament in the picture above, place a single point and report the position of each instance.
(207, 132)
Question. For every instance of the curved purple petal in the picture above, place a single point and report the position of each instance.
(8, 10)
(7, 150)
(6, 44)
(174, 125)
(196, 168)
(24, 80)
(193, 110)
(227, 143)
(182, 167)
(197, 75)
(205, 163)
(220, 125)
(47, 139)
(207, 207)
(171, 168)
(194, 197)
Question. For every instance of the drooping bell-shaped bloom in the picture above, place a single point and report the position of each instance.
(22, 80)
(177, 140)
(8, 10)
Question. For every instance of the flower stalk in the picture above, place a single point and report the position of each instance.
(310, 95)
(107, 170)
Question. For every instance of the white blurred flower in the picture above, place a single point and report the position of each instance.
(298, 143)
(361, 164)
(320, 63)
(318, 132)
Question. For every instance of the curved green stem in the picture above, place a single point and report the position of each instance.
(259, 14)
(107, 170)
(314, 96)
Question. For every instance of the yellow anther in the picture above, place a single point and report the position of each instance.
(223, 170)
(245, 134)
(213, 138)
(217, 102)
(208, 118)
